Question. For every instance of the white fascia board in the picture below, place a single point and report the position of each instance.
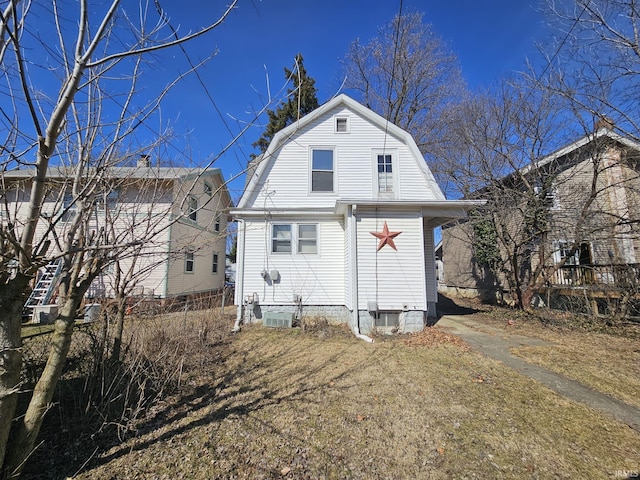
(426, 205)
(246, 213)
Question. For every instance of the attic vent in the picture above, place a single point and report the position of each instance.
(277, 320)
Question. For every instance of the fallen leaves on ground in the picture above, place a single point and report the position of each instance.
(432, 336)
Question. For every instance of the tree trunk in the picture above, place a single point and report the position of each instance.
(11, 303)
(27, 430)
(121, 305)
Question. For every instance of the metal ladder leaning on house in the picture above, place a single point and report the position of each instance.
(45, 286)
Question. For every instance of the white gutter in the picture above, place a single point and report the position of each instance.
(239, 292)
(354, 274)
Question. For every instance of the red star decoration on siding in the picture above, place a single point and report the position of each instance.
(386, 237)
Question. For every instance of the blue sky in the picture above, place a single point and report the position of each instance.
(261, 37)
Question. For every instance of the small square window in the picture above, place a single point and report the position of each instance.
(208, 189)
(342, 124)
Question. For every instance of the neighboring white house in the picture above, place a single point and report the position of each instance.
(337, 221)
(180, 214)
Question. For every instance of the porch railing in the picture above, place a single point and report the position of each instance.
(613, 275)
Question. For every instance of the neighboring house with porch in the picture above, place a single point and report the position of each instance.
(337, 221)
(177, 215)
(591, 245)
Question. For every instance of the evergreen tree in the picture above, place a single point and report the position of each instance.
(301, 99)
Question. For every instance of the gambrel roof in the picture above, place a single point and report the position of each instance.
(341, 100)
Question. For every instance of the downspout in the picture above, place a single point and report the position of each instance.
(354, 275)
(239, 292)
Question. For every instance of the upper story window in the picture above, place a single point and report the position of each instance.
(193, 208)
(385, 173)
(68, 208)
(216, 224)
(189, 262)
(112, 199)
(208, 189)
(342, 124)
(322, 169)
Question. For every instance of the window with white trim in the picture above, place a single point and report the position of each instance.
(300, 238)
(342, 124)
(208, 189)
(385, 173)
(189, 262)
(281, 238)
(193, 208)
(68, 208)
(307, 238)
(322, 168)
(216, 225)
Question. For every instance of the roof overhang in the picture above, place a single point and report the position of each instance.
(438, 212)
(282, 212)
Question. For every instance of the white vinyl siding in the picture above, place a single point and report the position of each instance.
(354, 173)
(318, 279)
(395, 280)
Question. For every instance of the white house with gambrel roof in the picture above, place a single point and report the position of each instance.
(337, 221)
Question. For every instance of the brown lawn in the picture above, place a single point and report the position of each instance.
(322, 404)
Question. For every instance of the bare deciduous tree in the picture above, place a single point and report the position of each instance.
(65, 103)
(595, 61)
(407, 75)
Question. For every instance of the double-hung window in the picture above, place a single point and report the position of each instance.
(307, 238)
(281, 238)
(214, 265)
(385, 173)
(189, 262)
(193, 208)
(322, 169)
(68, 208)
(301, 238)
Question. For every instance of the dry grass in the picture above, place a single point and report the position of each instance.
(286, 404)
(589, 351)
